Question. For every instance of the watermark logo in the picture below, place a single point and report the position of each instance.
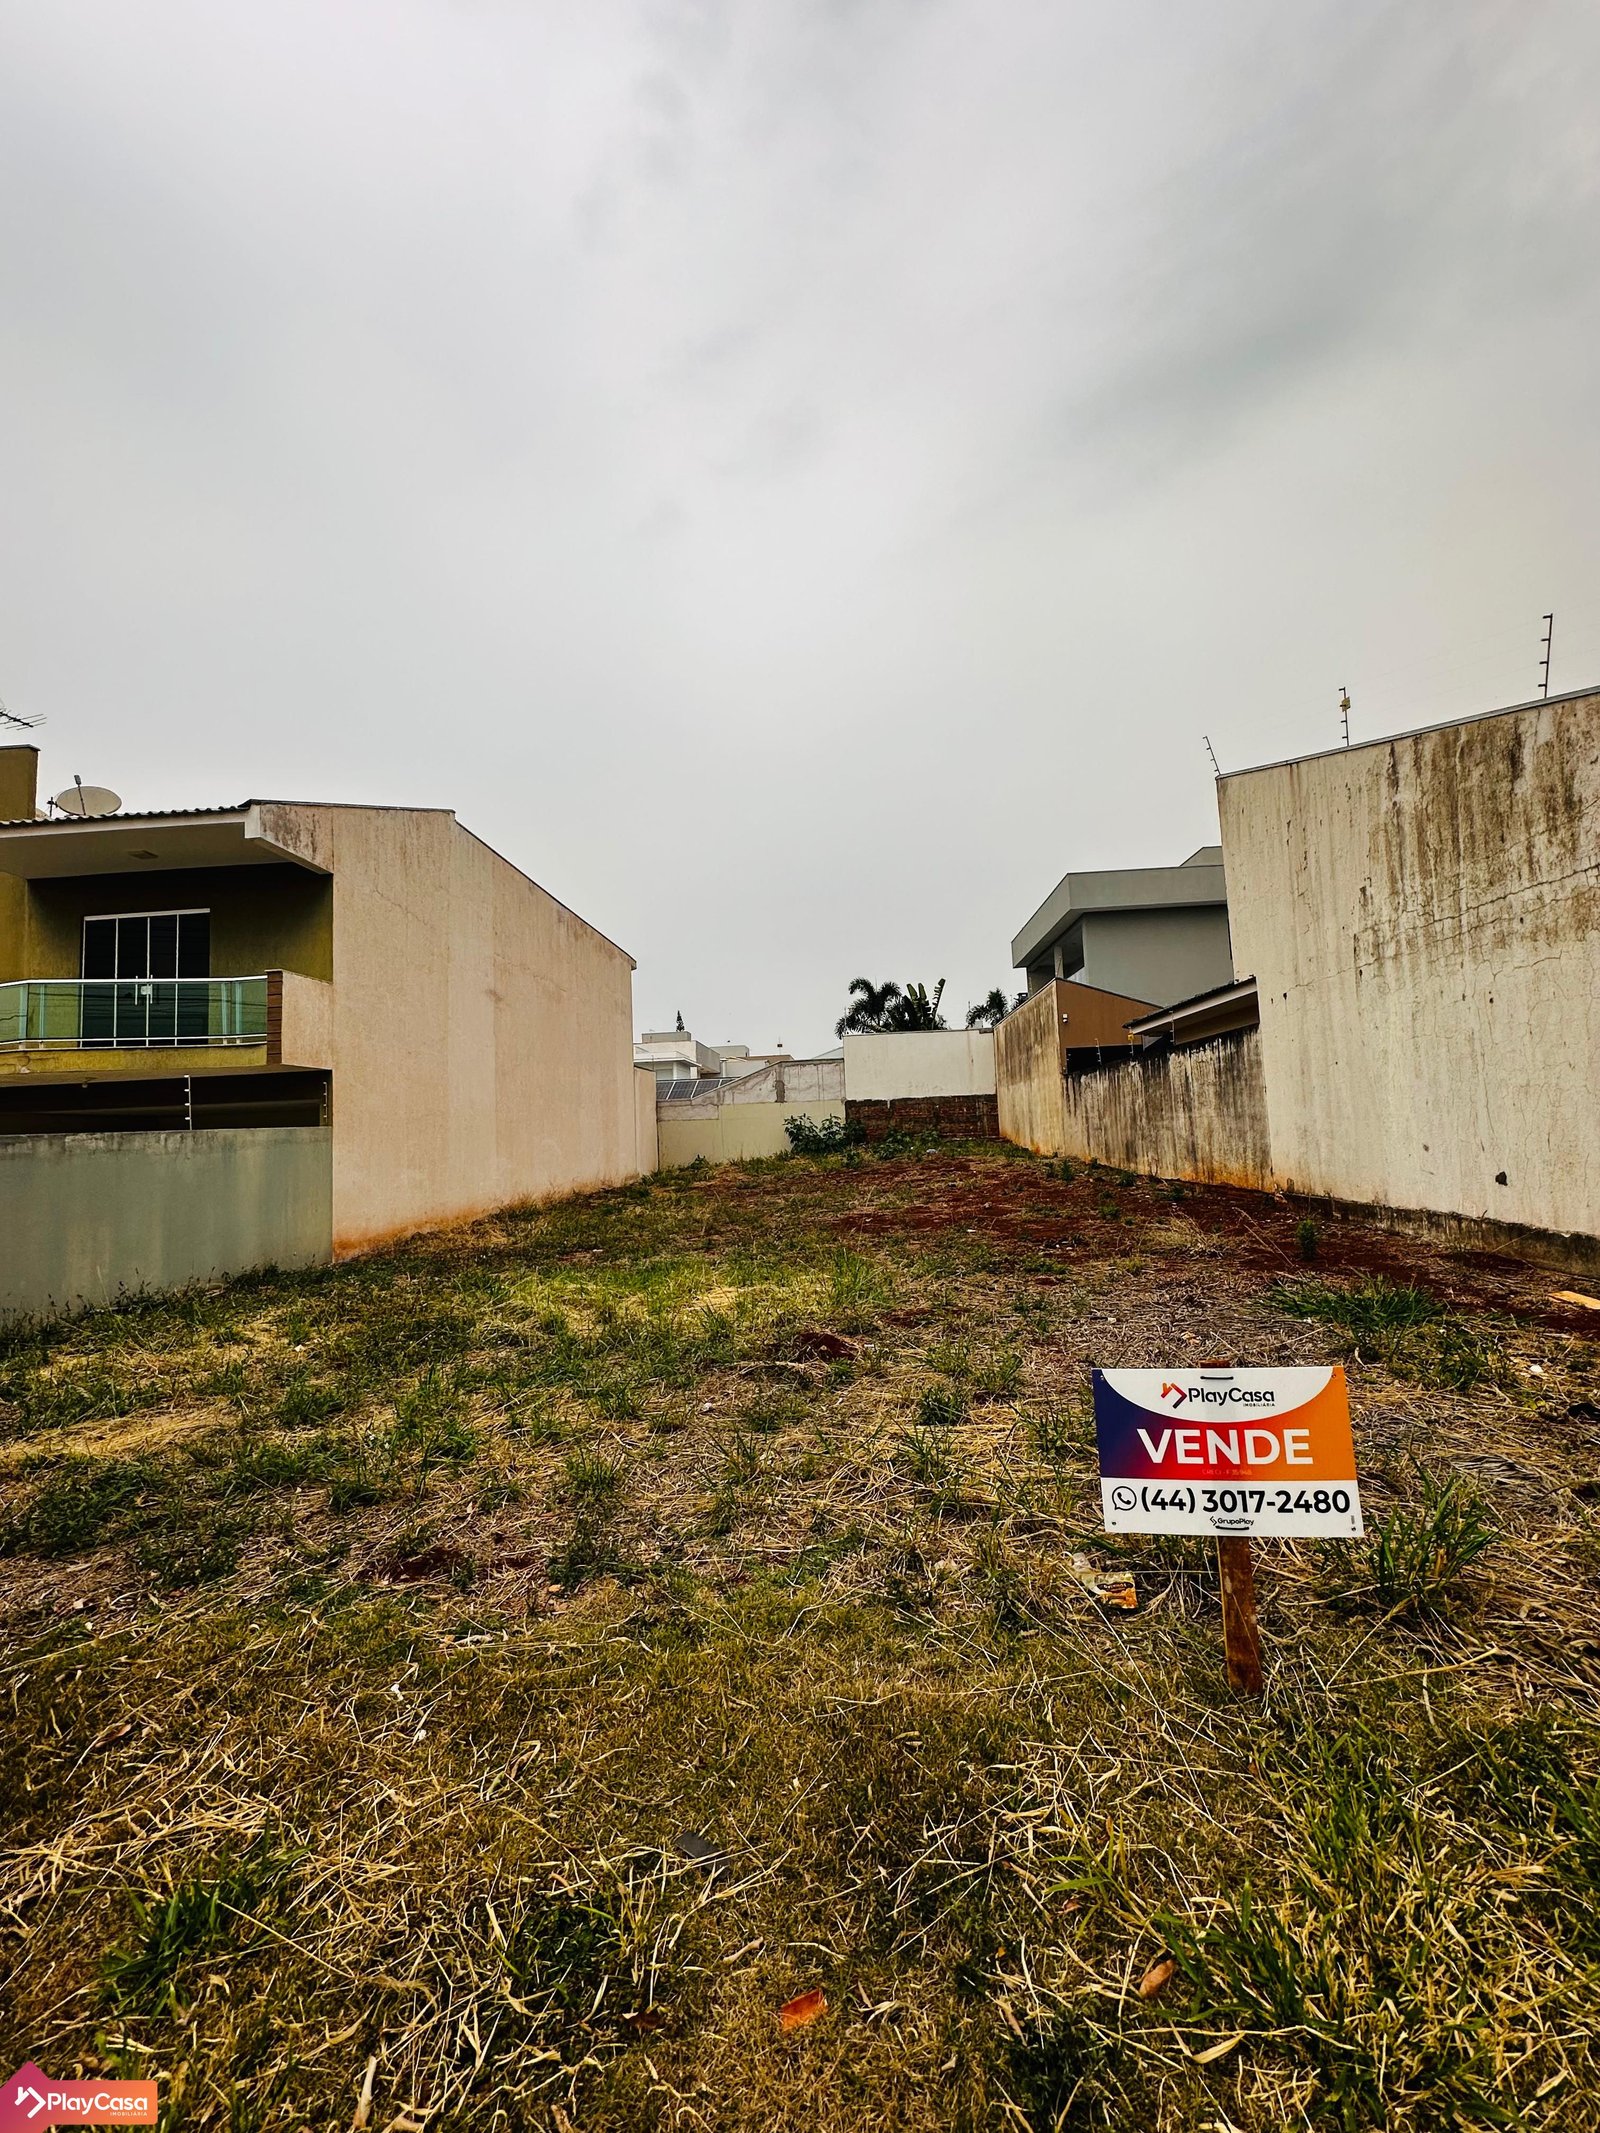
(31, 2099)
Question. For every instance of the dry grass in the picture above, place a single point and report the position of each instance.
(375, 1638)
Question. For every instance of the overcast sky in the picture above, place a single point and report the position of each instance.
(794, 477)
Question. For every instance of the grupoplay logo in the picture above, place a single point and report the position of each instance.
(1177, 1390)
(32, 2099)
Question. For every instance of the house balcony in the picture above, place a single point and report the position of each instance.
(163, 1026)
(122, 1014)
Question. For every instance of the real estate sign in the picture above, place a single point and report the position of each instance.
(1235, 1453)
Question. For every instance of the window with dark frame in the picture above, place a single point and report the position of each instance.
(146, 964)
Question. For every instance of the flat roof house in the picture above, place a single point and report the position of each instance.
(283, 1031)
(1152, 934)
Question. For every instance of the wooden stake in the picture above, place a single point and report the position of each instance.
(1241, 1633)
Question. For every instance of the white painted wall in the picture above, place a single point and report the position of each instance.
(945, 1062)
(1422, 918)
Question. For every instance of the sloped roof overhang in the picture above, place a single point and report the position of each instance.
(65, 845)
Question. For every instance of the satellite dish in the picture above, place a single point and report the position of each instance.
(81, 799)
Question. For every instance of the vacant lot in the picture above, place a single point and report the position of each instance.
(482, 1685)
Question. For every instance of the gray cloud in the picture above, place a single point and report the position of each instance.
(795, 478)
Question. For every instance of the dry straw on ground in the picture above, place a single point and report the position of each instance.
(488, 1683)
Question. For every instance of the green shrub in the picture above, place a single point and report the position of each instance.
(825, 1136)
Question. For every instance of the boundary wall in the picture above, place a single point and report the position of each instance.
(93, 1216)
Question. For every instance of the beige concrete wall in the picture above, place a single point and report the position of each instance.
(91, 1215)
(307, 1035)
(482, 1033)
(1028, 1073)
(952, 1062)
(1422, 917)
(733, 1133)
(646, 1139)
(1199, 1113)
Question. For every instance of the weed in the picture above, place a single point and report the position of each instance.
(941, 1406)
(1415, 1556)
(194, 1552)
(589, 1477)
(1404, 1327)
(859, 1288)
(558, 1951)
(85, 1503)
(1060, 1434)
(997, 1375)
(307, 1403)
(192, 1919)
(1307, 1236)
(928, 1458)
(430, 1428)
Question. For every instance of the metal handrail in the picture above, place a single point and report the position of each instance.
(104, 1014)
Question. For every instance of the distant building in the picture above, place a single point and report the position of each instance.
(1151, 934)
(674, 1055)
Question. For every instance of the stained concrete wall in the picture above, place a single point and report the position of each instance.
(88, 1216)
(1422, 917)
(732, 1133)
(481, 1032)
(1198, 1113)
(952, 1062)
(1028, 1060)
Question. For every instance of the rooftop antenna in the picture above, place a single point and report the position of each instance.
(1344, 713)
(1216, 767)
(11, 718)
(1549, 633)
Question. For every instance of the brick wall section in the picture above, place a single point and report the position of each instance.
(951, 1118)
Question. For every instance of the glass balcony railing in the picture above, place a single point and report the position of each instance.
(99, 1014)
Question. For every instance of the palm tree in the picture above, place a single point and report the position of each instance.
(916, 1010)
(993, 1008)
(869, 1010)
(880, 1008)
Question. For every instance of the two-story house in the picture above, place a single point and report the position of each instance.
(279, 1031)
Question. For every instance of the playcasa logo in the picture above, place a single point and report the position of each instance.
(1218, 1395)
(31, 2098)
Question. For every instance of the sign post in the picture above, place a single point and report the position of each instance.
(1234, 1454)
(1241, 1632)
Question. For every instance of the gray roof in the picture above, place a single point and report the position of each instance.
(1199, 881)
